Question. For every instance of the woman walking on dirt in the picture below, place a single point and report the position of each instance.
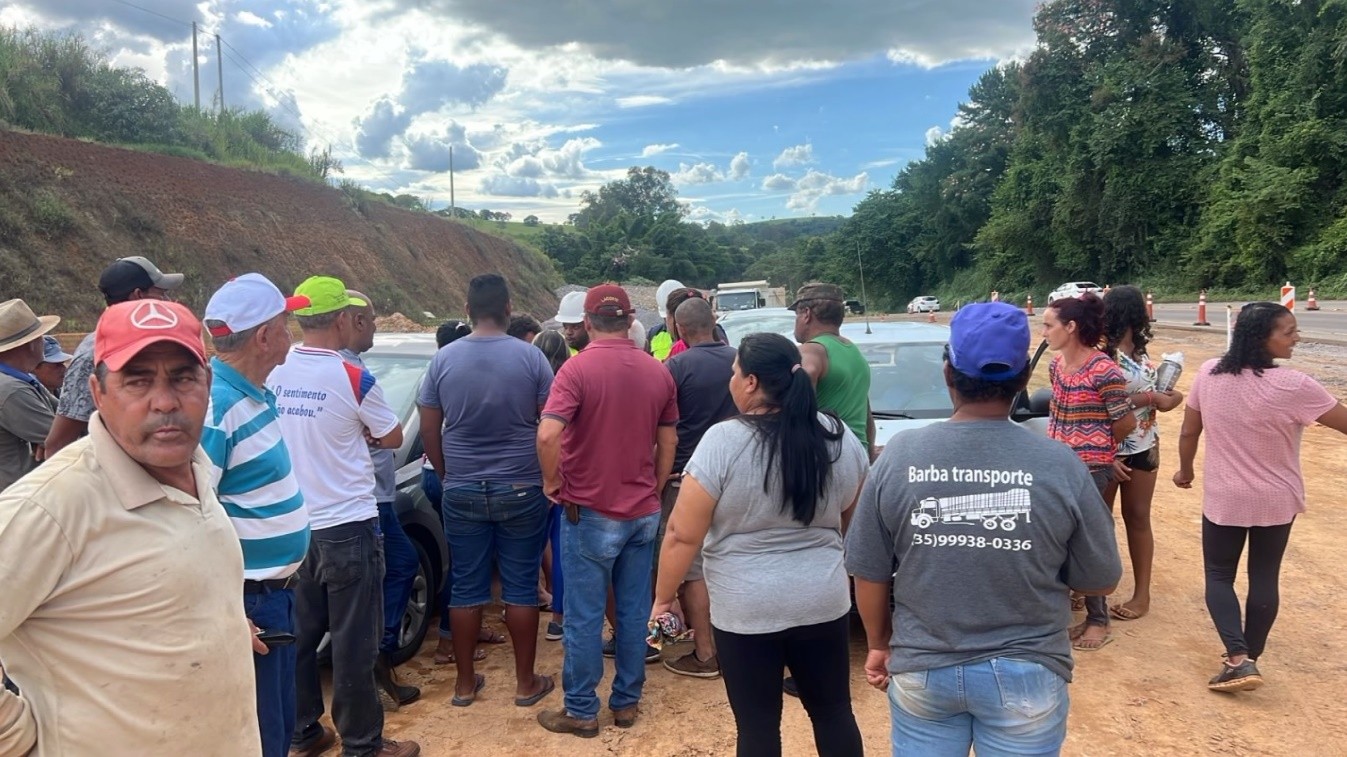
(767, 496)
(1254, 412)
(1090, 413)
(1127, 332)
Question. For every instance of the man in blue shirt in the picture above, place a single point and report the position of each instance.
(251, 473)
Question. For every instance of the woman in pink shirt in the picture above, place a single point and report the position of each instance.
(1254, 412)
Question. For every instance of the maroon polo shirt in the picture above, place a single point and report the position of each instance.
(613, 398)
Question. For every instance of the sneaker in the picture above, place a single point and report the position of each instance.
(689, 665)
(561, 721)
(652, 655)
(554, 632)
(609, 648)
(1241, 677)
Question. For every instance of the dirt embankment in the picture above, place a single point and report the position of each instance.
(67, 208)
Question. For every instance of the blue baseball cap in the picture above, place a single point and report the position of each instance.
(52, 352)
(989, 341)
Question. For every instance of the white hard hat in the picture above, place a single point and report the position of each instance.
(572, 308)
(637, 334)
(662, 296)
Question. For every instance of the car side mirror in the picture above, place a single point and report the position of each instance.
(1040, 401)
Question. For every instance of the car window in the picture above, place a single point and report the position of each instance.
(741, 326)
(908, 379)
(400, 376)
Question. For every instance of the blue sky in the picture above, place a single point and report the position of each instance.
(758, 109)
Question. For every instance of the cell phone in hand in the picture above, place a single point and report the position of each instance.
(275, 638)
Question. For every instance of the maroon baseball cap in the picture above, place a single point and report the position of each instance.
(607, 299)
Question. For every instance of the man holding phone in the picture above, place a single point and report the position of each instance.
(250, 464)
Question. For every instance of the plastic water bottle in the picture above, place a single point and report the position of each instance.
(1167, 375)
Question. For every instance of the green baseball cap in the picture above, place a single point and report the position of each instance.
(326, 294)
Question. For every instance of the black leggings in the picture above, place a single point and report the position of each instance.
(820, 661)
(1221, 548)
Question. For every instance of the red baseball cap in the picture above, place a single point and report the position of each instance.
(129, 327)
(607, 299)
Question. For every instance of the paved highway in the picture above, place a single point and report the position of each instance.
(1329, 321)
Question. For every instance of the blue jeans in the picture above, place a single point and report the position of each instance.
(489, 524)
(275, 671)
(400, 566)
(596, 552)
(555, 515)
(1001, 706)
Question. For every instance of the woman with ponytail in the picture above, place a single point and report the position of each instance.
(767, 496)
(1091, 413)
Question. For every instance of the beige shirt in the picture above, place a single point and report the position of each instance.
(121, 618)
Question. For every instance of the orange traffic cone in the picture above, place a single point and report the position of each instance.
(1201, 309)
(1150, 307)
(1029, 305)
(1312, 303)
(930, 316)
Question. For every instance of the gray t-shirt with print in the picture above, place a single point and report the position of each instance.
(986, 524)
(764, 570)
(77, 401)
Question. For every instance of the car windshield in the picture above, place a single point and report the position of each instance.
(737, 300)
(907, 379)
(776, 323)
(400, 377)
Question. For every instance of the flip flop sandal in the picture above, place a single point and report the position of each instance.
(491, 637)
(459, 701)
(1118, 612)
(548, 686)
(478, 655)
(1077, 645)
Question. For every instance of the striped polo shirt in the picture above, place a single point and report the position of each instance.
(251, 471)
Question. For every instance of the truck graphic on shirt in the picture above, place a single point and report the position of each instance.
(992, 509)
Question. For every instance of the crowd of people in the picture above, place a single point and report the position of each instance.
(182, 528)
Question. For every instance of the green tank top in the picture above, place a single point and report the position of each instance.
(845, 388)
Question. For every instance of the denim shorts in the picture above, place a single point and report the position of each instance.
(1145, 460)
(488, 525)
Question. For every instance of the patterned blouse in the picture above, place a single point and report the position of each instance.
(1085, 403)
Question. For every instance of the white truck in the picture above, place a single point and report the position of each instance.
(992, 509)
(749, 295)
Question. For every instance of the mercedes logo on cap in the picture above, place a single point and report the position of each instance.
(150, 315)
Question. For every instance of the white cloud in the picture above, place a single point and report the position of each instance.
(700, 173)
(778, 182)
(700, 32)
(509, 186)
(794, 156)
(816, 184)
(934, 136)
(739, 167)
(641, 101)
(657, 149)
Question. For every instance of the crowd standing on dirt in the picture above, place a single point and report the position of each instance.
(179, 533)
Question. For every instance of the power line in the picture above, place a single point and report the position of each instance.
(153, 13)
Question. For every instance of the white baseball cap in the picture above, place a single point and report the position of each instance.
(662, 295)
(248, 301)
(572, 308)
(637, 334)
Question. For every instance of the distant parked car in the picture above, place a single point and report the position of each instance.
(924, 304)
(1074, 289)
(855, 307)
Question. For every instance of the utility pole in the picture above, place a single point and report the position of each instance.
(219, 66)
(860, 265)
(196, 70)
(453, 209)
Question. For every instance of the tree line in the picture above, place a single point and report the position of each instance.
(1182, 144)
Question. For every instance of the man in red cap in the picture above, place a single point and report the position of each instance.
(122, 623)
(610, 423)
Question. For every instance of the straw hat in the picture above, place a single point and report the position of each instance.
(19, 325)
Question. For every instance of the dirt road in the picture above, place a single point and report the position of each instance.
(1143, 695)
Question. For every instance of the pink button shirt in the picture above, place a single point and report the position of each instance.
(1252, 426)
